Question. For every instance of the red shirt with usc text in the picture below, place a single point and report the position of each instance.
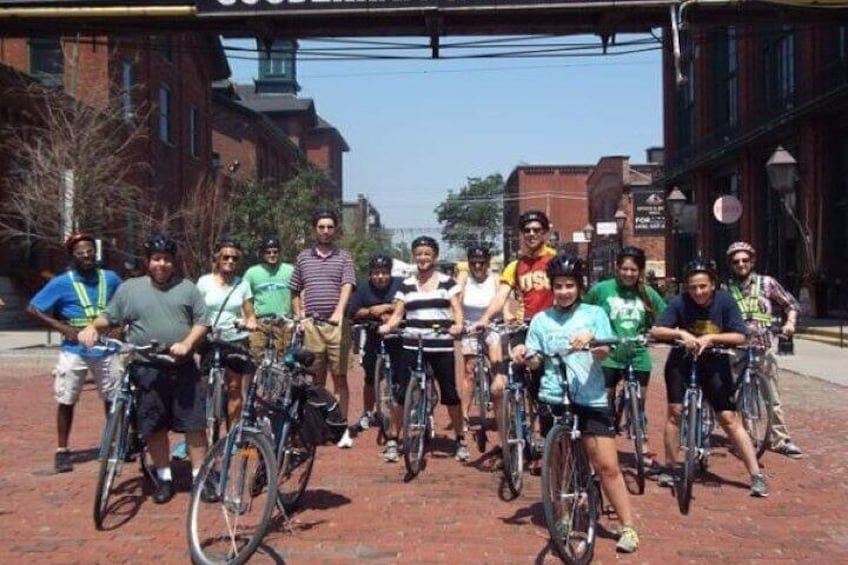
(529, 280)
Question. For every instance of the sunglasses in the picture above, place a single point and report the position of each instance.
(271, 252)
(532, 230)
(744, 261)
(233, 258)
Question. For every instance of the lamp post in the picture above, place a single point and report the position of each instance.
(782, 170)
(588, 232)
(675, 202)
(620, 221)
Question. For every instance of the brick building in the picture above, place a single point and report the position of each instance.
(750, 89)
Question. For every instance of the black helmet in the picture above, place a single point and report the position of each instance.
(635, 253)
(227, 241)
(269, 242)
(380, 261)
(426, 241)
(566, 265)
(160, 243)
(534, 216)
(700, 265)
(479, 252)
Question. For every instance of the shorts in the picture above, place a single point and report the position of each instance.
(469, 343)
(330, 344)
(598, 422)
(231, 359)
(72, 369)
(613, 376)
(258, 341)
(443, 371)
(169, 397)
(714, 377)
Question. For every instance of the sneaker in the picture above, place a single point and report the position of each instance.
(628, 540)
(789, 449)
(665, 479)
(759, 486)
(364, 421)
(164, 492)
(62, 461)
(391, 454)
(208, 492)
(462, 450)
(346, 441)
(180, 452)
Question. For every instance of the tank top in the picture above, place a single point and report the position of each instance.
(477, 296)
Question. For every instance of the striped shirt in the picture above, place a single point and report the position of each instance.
(321, 279)
(424, 308)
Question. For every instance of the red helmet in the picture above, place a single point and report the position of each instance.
(75, 238)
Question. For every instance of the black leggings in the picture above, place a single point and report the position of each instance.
(443, 366)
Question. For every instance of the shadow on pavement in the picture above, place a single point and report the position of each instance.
(124, 502)
(322, 499)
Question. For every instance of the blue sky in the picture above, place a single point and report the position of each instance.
(419, 128)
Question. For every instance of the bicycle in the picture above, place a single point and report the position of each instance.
(571, 494)
(117, 441)
(697, 424)
(216, 393)
(382, 409)
(419, 402)
(753, 396)
(630, 406)
(482, 383)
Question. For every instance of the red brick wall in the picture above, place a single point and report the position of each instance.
(559, 191)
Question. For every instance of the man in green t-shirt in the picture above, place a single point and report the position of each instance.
(269, 283)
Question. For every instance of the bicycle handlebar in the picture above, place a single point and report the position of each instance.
(154, 349)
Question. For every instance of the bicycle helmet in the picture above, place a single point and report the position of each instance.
(426, 241)
(75, 238)
(227, 241)
(479, 252)
(534, 216)
(700, 265)
(566, 265)
(738, 246)
(269, 242)
(160, 243)
(635, 253)
(380, 261)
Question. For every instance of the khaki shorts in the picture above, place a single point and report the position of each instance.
(258, 339)
(72, 369)
(469, 342)
(330, 344)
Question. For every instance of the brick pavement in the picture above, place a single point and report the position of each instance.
(358, 509)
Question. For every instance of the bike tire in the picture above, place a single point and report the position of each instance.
(637, 431)
(513, 448)
(481, 389)
(382, 400)
(295, 458)
(689, 435)
(229, 530)
(754, 405)
(112, 450)
(216, 406)
(569, 497)
(414, 427)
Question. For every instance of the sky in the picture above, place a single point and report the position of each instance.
(419, 128)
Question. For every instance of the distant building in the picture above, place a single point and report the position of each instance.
(361, 217)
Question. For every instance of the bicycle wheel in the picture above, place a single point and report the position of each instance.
(216, 405)
(383, 400)
(513, 449)
(569, 496)
(229, 529)
(754, 405)
(637, 432)
(414, 427)
(295, 458)
(481, 388)
(688, 439)
(112, 450)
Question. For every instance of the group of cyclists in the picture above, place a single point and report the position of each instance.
(544, 291)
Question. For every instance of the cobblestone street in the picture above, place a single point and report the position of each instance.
(359, 509)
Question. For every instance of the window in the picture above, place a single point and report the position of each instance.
(727, 81)
(194, 133)
(685, 100)
(46, 60)
(165, 113)
(127, 86)
(781, 70)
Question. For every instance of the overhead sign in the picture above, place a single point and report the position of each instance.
(727, 209)
(648, 212)
(606, 228)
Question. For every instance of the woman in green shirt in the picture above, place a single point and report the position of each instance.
(632, 307)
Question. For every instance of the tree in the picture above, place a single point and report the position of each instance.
(74, 167)
(473, 215)
(362, 245)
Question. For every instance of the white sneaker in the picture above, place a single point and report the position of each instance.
(364, 421)
(346, 441)
(391, 454)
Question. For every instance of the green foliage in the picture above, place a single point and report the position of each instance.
(474, 213)
(362, 246)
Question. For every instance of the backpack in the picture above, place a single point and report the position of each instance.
(321, 419)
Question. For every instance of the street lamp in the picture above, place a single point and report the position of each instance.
(588, 232)
(675, 201)
(620, 221)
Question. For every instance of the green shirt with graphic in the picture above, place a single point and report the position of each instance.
(270, 287)
(628, 318)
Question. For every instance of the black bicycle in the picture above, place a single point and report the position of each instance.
(753, 397)
(120, 437)
(482, 384)
(382, 409)
(216, 386)
(630, 408)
